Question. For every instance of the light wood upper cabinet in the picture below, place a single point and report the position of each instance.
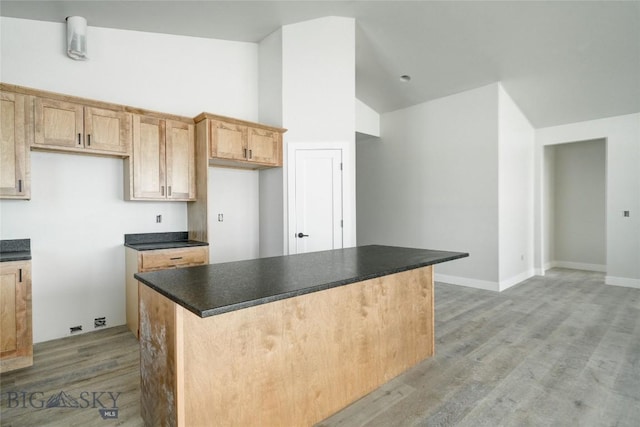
(67, 126)
(265, 146)
(180, 161)
(228, 141)
(16, 339)
(107, 130)
(15, 163)
(147, 162)
(253, 146)
(240, 144)
(162, 163)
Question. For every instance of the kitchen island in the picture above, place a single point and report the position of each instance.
(282, 341)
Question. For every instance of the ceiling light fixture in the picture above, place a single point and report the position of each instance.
(405, 78)
(77, 38)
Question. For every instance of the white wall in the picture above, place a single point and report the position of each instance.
(318, 85)
(167, 73)
(270, 79)
(549, 196)
(235, 194)
(367, 119)
(431, 181)
(515, 188)
(319, 94)
(316, 60)
(623, 188)
(77, 217)
(272, 181)
(580, 196)
(76, 220)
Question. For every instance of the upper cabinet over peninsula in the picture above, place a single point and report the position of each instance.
(241, 144)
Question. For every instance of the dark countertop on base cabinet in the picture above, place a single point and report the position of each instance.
(153, 241)
(15, 250)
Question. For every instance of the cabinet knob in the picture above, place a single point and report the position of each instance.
(79, 139)
(89, 139)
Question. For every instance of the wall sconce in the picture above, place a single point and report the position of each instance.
(77, 38)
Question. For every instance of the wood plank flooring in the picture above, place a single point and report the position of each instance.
(563, 349)
(97, 362)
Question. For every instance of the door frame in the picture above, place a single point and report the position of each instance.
(545, 237)
(292, 147)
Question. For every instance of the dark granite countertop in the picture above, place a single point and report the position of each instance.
(15, 250)
(152, 241)
(219, 288)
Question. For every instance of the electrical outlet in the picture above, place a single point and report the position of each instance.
(158, 218)
(99, 322)
(625, 213)
(75, 329)
(220, 217)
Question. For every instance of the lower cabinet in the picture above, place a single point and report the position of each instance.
(159, 259)
(16, 336)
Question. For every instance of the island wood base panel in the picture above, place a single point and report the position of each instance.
(291, 362)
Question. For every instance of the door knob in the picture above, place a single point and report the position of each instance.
(301, 235)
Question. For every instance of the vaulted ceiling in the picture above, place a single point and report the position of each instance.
(561, 61)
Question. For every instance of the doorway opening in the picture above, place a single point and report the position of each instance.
(575, 186)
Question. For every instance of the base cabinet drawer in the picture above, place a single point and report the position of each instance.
(172, 258)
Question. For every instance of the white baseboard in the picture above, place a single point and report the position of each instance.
(505, 284)
(622, 281)
(484, 284)
(512, 281)
(464, 281)
(579, 266)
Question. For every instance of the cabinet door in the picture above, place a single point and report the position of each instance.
(264, 146)
(15, 321)
(148, 158)
(58, 123)
(14, 150)
(180, 158)
(107, 130)
(228, 141)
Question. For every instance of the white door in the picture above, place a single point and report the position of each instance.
(317, 225)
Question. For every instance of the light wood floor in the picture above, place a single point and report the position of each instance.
(561, 350)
